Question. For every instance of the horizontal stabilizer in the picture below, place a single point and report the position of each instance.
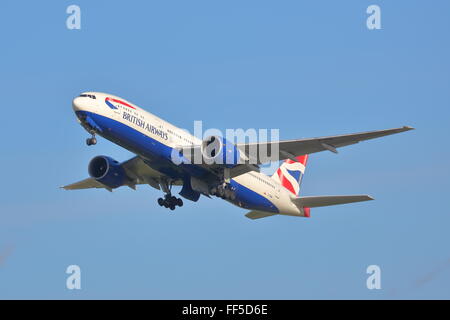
(323, 201)
(259, 214)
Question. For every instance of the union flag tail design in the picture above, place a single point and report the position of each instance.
(290, 173)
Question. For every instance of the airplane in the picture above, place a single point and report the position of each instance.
(233, 175)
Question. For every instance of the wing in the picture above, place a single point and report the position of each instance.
(137, 171)
(323, 201)
(84, 184)
(289, 149)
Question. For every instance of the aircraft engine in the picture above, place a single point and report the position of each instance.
(107, 171)
(218, 150)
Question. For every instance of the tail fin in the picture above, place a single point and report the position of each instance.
(290, 173)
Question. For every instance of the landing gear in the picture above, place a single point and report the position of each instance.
(170, 202)
(92, 140)
(224, 191)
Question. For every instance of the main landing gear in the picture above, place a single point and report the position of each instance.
(224, 191)
(169, 201)
(92, 140)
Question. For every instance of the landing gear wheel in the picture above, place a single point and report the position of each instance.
(169, 201)
(91, 141)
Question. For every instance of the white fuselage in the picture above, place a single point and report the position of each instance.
(170, 136)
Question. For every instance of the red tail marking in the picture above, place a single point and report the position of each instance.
(285, 182)
(307, 212)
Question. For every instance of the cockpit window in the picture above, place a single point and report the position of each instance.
(88, 96)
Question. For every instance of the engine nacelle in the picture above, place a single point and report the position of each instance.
(107, 171)
(216, 149)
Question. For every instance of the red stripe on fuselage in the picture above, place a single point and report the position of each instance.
(121, 102)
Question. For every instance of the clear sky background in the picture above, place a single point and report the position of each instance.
(309, 68)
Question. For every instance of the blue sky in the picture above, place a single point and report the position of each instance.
(309, 68)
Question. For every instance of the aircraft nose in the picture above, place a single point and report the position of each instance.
(77, 104)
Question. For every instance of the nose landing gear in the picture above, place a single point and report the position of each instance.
(92, 140)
